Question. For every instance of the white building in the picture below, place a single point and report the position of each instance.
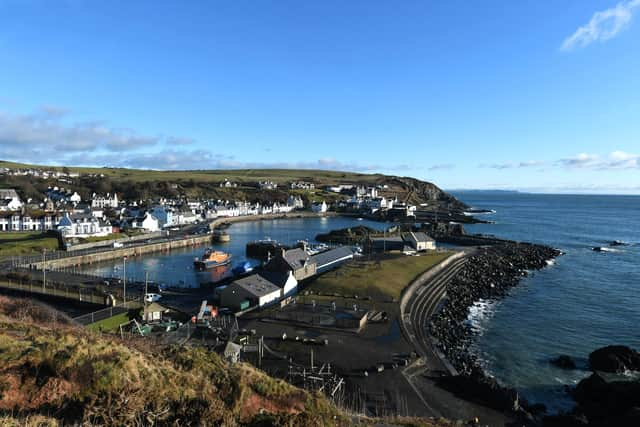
(267, 185)
(108, 201)
(296, 202)
(148, 222)
(16, 222)
(9, 200)
(319, 207)
(83, 226)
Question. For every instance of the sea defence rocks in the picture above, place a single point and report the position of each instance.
(563, 361)
(615, 358)
(606, 399)
(488, 274)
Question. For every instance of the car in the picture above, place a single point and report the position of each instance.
(152, 297)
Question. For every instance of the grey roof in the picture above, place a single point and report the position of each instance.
(387, 239)
(256, 285)
(332, 255)
(296, 258)
(419, 236)
(8, 193)
(276, 277)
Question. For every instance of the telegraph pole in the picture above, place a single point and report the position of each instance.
(124, 280)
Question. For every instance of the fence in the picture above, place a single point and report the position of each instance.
(77, 294)
(106, 313)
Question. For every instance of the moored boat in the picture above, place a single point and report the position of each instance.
(211, 259)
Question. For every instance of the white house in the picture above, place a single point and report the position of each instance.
(9, 200)
(108, 201)
(83, 226)
(319, 207)
(149, 223)
(419, 241)
(296, 202)
(16, 222)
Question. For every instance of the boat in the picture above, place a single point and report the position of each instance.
(221, 236)
(264, 249)
(211, 259)
(242, 268)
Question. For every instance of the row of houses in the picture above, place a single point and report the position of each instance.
(280, 277)
(45, 174)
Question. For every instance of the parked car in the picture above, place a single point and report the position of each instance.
(152, 297)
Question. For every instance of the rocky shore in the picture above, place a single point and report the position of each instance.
(488, 274)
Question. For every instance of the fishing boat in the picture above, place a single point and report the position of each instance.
(211, 259)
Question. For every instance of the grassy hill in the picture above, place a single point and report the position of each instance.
(137, 184)
(54, 373)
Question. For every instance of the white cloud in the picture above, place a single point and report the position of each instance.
(442, 166)
(604, 25)
(512, 165)
(615, 160)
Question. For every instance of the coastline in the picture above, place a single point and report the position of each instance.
(488, 275)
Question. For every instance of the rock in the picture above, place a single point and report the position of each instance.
(564, 362)
(565, 420)
(615, 358)
(601, 400)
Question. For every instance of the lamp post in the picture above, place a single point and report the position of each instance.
(44, 269)
(124, 280)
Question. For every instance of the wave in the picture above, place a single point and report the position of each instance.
(479, 315)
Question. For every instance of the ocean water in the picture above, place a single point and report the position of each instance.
(175, 268)
(583, 301)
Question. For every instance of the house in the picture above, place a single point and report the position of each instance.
(388, 243)
(232, 352)
(250, 291)
(83, 225)
(332, 258)
(319, 207)
(228, 184)
(153, 312)
(28, 222)
(148, 222)
(267, 185)
(108, 201)
(284, 280)
(164, 216)
(296, 202)
(302, 185)
(9, 200)
(419, 241)
(295, 260)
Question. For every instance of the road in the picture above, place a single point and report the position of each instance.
(420, 302)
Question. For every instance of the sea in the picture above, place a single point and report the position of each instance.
(583, 301)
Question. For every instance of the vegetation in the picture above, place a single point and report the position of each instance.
(52, 372)
(110, 324)
(135, 184)
(380, 279)
(26, 243)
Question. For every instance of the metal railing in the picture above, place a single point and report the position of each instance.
(106, 313)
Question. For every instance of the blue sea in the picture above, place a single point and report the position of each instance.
(584, 301)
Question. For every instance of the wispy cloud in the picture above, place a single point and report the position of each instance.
(604, 25)
(615, 160)
(513, 165)
(442, 166)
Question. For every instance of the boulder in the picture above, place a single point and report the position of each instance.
(564, 362)
(615, 358)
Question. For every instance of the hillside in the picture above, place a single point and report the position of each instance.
(54, 373)
(136, 184)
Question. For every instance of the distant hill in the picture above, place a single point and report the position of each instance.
(138, 184)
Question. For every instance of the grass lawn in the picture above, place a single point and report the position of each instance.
(380, 281)
(111, 324)
(25, 243)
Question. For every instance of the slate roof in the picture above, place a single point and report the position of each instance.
(332, 255)
(296, 258)
(419, 236)
(256, 285)
(278, 278)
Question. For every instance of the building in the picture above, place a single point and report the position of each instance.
(28, 222)
(250, 291)
(228, 184)
(148, 222)
(108, 201)
(284, 280)
(267, 185)
(419, 241)
(154, 312)
(9, 200)
(332, 258)
(295, 260)
(82, 225)
(164, 216)
(232, 352)
(319, 207)
(302, 185)
(296, 202)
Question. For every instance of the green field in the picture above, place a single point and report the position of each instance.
(25, 243)
(111, 324)
(380, 281)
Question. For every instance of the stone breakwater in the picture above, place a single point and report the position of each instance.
(489, 274)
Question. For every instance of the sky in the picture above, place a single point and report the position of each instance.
(533, 96)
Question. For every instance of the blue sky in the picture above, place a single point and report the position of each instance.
(541, 96)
